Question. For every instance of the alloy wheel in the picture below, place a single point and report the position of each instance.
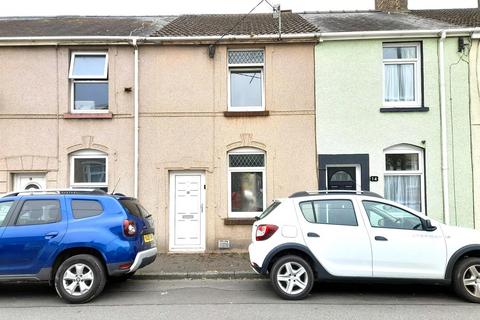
(78, 279)
(471, 280)
(292, 278)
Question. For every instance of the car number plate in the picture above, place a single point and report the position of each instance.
(148, 237)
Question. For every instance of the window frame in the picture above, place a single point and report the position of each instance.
(14, 222)
(422, 221)
(417, 65)
(247, 67)
(87, 79)
(406, 149)
(88, 53)
(230, 170)
(85, 200)
(88, 154)
(355, 215)
(10, 211)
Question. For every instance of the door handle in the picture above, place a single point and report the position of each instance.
(313, 235)
(51, 235)
(380, 238)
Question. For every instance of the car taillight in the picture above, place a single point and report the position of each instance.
(129, 228)
(265, 231)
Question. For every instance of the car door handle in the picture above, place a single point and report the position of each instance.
(313, 235)
(51, 235)
(380, 238)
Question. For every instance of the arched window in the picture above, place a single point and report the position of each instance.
(246, 182)
(88, 168)
(404, 176)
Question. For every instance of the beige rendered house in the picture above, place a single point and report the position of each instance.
(205, 118)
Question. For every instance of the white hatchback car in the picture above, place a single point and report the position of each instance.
(336, 236)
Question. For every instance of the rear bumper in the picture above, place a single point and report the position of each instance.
(256, 258)
(143, 258)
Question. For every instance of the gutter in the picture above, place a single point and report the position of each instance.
(396, 34)
(443, 126)
(135, 119)
(315, 36)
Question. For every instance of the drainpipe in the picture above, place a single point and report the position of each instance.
(135, 119)
(443, 124)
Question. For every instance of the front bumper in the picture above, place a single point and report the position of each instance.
(143, 258)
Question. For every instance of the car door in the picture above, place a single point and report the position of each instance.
(401, 246)
(336, 235)
(32, 235)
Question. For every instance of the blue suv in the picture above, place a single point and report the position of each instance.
(74, 239)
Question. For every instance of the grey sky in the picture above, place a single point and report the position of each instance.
(155, 7)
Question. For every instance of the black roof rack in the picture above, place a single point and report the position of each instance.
(55, 191)
(334, 192)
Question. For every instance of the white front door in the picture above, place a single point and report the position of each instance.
(29, 181)
(187, 211)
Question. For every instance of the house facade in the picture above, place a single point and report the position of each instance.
(383, 129)
(467, 18)
(225, 124)
(208, 118)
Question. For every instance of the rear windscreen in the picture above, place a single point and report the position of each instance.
(269, 209)
(135, 208)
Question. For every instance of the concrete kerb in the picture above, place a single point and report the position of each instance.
(198, 275)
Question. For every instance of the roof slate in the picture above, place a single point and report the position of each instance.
(234, 24)
(461, 17)
(372, 21)
(81, 26)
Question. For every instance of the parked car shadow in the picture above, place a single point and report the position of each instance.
(408, 293)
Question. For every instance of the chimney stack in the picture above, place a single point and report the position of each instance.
(392, 5)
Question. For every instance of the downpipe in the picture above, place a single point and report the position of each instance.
(443, 125)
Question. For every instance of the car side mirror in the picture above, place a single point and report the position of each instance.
(257, 218)
(428, 226)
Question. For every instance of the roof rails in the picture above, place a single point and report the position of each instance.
(333, 192)
(55, 191)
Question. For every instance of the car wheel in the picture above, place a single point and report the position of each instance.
(80, 278)
(466, 279)
(292, 277)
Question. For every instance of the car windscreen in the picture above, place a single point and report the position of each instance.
(269, 210)
(133, 207)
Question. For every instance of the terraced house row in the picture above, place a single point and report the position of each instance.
(208, 118)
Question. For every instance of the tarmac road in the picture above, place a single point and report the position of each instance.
(235, 299)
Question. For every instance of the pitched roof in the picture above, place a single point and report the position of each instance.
(234, 24)
(461, 17)
(81, 26)
(372, 21)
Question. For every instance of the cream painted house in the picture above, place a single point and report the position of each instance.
(226, 123)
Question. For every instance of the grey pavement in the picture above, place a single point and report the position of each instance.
(236, 299)
(198, 266)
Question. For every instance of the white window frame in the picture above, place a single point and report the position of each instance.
(247, 67)
(246, 169)
(417, 65)
(88, 154)
(89, 53)
(86, 79)
(407, 149)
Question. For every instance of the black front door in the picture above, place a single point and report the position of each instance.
(341, 178)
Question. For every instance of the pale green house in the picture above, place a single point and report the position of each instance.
(393, 110)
